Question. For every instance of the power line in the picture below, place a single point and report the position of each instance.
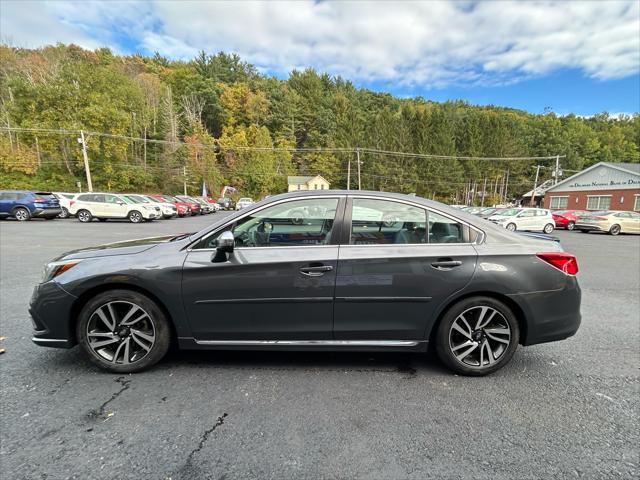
(219, 147)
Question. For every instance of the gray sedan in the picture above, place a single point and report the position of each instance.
(348, 271)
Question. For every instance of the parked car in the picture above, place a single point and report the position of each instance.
(206, 206)
(532, 219)
(195, 207)
(105, 206)
(473, 210)
(168, 210)
(488, 212)
(65, 200)
(335, 282)
(243, 203)
(25, 205)
(610, 221)
(182, 208)
(566, 218)
(225, 203)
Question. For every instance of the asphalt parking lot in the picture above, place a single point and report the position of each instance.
(561, 410)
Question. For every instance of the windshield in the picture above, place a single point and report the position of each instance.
(170, 199)
(509, 212)
(133, 199)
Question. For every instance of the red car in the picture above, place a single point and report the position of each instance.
(566, 218)
(182, 207)
(195, 206)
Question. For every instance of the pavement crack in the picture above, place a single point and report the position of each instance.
(188, 467)
(99, 412)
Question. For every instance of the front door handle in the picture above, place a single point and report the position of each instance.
(316, 271)
(447, 264)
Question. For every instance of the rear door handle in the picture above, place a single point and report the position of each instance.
(446, 264)
(316, 271)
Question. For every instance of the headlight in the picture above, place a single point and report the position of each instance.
(53, 269)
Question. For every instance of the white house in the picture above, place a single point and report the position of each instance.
(307, 183)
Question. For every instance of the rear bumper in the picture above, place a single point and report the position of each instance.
(50, 309)
(46, 212)
(551, 315)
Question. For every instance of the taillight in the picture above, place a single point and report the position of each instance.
(561, 260)
(38, 199)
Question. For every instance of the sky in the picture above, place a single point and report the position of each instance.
(579, 57)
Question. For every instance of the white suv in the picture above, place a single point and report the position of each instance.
(536, 219)
(65, 200)
(168, 210)
(103, 206)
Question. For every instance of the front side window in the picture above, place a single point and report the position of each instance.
(558, 203)
(288, 224)
(598, 202)
(379, 222)
(528, 213)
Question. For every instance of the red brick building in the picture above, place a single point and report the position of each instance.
(603, 186)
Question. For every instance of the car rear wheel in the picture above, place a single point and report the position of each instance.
(615, 229)
(84, 216)
(548, 228)
(477, 336)
(123, 331)
(135, 216)
(511, 227)
(64, 213)
(22, 214)
(571, 225)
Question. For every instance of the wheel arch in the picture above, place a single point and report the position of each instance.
(509, 302)
(82, 300)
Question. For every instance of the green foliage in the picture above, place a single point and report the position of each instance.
(219, 118)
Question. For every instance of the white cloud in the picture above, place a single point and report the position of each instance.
(433, 43)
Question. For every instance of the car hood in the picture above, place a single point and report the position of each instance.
(127, 247)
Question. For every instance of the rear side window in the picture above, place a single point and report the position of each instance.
(381, 222)
(86, 198)
(445, 230)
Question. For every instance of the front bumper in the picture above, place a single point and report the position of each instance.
(46, 212)
(50, 309)
(550, 315)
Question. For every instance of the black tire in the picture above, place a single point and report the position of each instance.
(443, 343)
(64, 213)
(571, 226)
(160, 323)
(135, 216)
(84, 216)
(584, 231)
(548, 228)
(512, 227)
(21, 214)
(49, 218)
(615, 229)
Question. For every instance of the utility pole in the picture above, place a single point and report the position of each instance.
(557, 173)
(86, 160)
(358, 160)
(506, 186)
(349, 174)
(535, 185)
(184, 175)
(484, 191)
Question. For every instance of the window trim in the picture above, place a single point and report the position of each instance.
(346, 224)
(558, 208)
(597, 196)
(636, 202)
(337, 224)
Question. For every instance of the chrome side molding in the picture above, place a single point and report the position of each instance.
(321, 343)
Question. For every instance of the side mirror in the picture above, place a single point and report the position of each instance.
(120, 202)
(225, 242)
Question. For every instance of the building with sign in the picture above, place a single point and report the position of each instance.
(603, 186)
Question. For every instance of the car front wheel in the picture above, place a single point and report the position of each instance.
(477, 336)
(123, 331)
(22, 214)
(135, 216)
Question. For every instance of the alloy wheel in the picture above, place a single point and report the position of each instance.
(571, 225)
(64, 213)
(511, 227)
(135, 217)
(479, 336)
(21, 214)
(615, 230)
(84, 216)
(548, 228)
(120, 332)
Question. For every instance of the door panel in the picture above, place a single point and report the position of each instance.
(390, 292)
(269, 293)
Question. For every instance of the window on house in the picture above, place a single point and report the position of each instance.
(322, 187)
(315, 186)
(598, 202)
(636, 205)
(559, 203)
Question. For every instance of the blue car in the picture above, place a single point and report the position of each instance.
(25, 205)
